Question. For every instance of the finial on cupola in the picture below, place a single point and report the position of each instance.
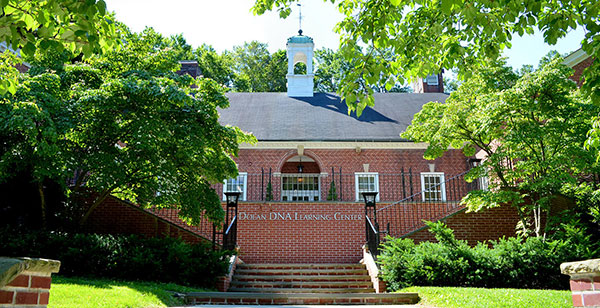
(299, 18)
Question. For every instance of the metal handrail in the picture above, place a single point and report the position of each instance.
(371, 224)
(230, 225)
(420, 192)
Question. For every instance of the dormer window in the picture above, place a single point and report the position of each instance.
(432, 80)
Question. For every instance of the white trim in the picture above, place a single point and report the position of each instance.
(442, 184)
(290, 194)
(244, 193)
(334, 145)
(575, 58)
(357, 175)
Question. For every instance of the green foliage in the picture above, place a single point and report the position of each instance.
(120, 257)
(529, 127)
(269, 195)
(426, 36)
(300, 68)
(332, 67)
(257, 70)
(509, 262)
(52, 25)
(125, 124)
(332, 194)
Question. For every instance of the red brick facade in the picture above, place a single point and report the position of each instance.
(334, 232)
(578, 70)
(321, 232)
(114, 216)
(388, 163)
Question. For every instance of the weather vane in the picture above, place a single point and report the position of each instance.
(299, 18)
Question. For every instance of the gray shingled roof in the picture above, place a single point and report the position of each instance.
(324, 117)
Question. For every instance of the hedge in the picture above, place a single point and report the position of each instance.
(514, 262)
(127, 257)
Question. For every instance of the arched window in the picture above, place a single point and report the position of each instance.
(300, 179)
(300, 68)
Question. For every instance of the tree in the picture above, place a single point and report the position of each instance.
(529, 127)
(79, 26)
(257, 70)
(332, 193)
(125, 125)
(426, 36)
(332, 67)
(214, 66)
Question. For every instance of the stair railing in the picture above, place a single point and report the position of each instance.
(229, 235)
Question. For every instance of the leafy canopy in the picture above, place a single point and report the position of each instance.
(124, 124)
(425, 36)
(79, 26)
(529, 128)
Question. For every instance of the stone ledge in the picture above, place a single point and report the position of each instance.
(581, 267)
(10, 268)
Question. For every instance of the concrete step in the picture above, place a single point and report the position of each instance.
(243, 298)
(312, 272)
(307, 278)
(301, 266)
(301, 284)
(305, 290)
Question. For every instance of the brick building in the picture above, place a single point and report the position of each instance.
(301, 184)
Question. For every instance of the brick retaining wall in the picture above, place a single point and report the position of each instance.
(25, 282)
(266, 234)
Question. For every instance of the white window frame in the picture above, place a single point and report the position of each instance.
(432, 80)
(244, 192)
(442, 182)
(311, 194)
(359, 174)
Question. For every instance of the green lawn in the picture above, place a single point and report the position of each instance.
(447, 297)
(101, 293)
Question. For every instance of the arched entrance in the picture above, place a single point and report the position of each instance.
(300, 179)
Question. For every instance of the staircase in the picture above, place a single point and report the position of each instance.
(301, 284)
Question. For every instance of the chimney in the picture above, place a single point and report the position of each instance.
(189, 67)
(430, 84)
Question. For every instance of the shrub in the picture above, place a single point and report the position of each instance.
(509, 262)
(120, 257)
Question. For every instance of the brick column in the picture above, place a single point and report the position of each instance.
(25, 282)
(585, 282)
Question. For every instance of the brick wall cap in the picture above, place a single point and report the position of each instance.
(10, 268)
(591, 266)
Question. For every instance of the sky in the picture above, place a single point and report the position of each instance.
(227, 23)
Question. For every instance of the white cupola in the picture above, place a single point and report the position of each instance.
(300, 50)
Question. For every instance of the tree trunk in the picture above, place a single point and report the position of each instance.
(42, 204)
(96, 203)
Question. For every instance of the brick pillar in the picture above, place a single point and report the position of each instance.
(585, 282)
(25, 282)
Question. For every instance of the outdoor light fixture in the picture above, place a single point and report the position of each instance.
(232, 198)
(300, 168)
(369, 198)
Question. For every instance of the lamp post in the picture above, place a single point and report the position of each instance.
(371, 227)
(370, 198)
(232, 198)
(230, 229)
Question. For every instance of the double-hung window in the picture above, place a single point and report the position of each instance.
(238, 184)
(433, 186)
(366, 182)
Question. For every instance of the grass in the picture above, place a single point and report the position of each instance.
(104, 293)
(450, 297)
